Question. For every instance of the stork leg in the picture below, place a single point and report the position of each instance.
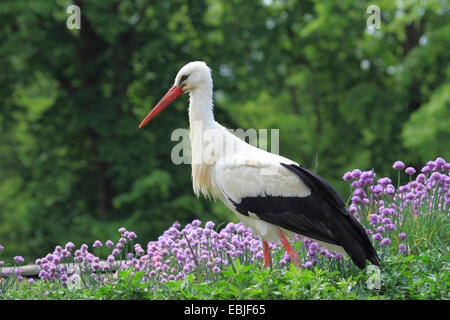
(267, 259)
(290, 251)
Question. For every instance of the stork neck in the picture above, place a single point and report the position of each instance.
(201, 106)
(201, 118)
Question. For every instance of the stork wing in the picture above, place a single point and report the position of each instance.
(275, 194)
(295, 198)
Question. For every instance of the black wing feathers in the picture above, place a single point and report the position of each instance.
(317, 183)
(321, 215)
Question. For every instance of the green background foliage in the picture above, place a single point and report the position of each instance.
(74, 166)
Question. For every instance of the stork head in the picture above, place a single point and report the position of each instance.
(193, 76)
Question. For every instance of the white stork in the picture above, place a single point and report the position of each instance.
(274, 196)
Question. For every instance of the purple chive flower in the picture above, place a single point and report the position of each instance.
(176, 225)
(380, 229)
(122, 230)
(347, 176)
(356, 200)
(378, 189)
(402, 235)
(398, 165)
(109, 243)
(385, 242)
(431, 164)
(352, 209)
(241, 228)
(359, 193)
(384, 181)
(132, 235)
(1, 248)
(306, 242)
(421, 178)
(386, 212)
(426, 169)
(356, 173)
(436, 176)
(390, 226)
(374, 218)
(89, 258)
(65, 253)
(390, 189)
(401, 248)
(356, 184)
(366, 175)
(308, 265)
(115, 252)
(209, 225)
(97, 243)
(439, 162)
(18, 259)
(377, 237)
(69, 246)
(410, 171)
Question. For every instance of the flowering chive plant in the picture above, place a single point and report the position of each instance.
(8, 276)
(404, 215)
(395, 217)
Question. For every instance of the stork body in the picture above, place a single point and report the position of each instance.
(274, 196)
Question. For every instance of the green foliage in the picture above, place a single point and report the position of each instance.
(423, 276)
(429, 122)
(74, 166)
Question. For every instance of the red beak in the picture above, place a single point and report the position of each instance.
(168, 98)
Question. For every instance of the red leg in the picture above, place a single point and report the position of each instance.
(267, 259)
(290, 251)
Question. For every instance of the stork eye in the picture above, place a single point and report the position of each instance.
(183, 78)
